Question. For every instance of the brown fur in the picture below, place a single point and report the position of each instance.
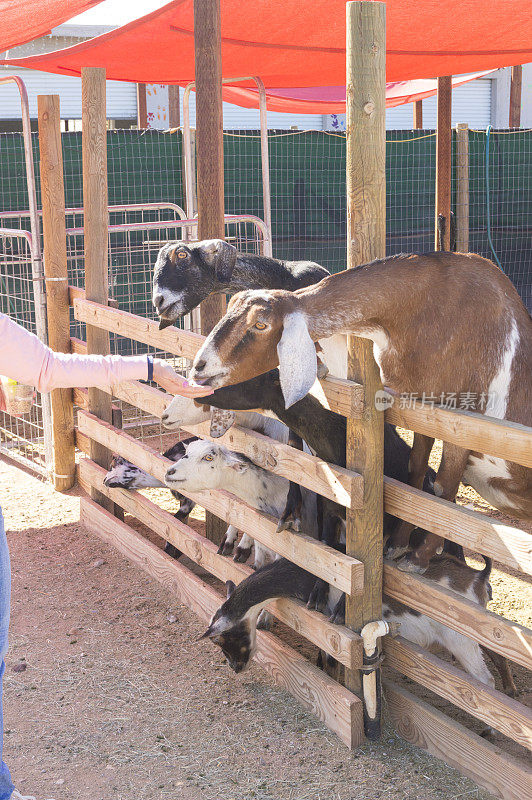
(446, 317)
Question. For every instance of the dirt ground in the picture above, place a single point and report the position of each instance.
(117, 701)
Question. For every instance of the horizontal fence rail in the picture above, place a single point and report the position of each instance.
(337, 640)
(342, 571)
(330, 702)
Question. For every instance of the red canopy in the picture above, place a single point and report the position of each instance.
(291, 44)
(331, 99)
(24, 20)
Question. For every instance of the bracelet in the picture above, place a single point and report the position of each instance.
(150, 368)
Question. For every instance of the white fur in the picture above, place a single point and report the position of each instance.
(478, 473)
(297, 358)
(213, 370)
(173, 301)
(500, 385)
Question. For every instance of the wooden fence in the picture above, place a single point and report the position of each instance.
(339, 708)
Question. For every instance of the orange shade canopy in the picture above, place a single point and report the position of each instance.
(25, 20)
(293, 44)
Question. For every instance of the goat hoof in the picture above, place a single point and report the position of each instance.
(289, 524)
(322, 370)
(318, 596)
(181, 516)
(242, 554)
(394, 552)
(264, 622)
(410, 564)
(226, 548)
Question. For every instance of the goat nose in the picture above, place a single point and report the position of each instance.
(200, 365)
(158, 300)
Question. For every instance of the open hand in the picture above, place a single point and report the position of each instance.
(176, 384)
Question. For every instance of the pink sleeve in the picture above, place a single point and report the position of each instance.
(26, 359)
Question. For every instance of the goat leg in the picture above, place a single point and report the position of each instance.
(453, 463)
(243, 551)
(398, 543)
(172, 550)
(228, 542)
(291, 516)
(338, 613)
(503, 668)
(320, 592)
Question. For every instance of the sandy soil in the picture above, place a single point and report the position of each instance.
(117, 702)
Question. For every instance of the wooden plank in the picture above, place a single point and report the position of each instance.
(77, 293)
(451, 609)
(514, 115)
(342, 485)
(483, 762)
(78, 346)
(462, 187)
(474, 530)
(339, 570)
(508, 716)
(418, 114)
(55, 269)
(443, 161)
(475, 432)
(344, 397)
(330, 702)
(94, 152)
(366, 240)
(338, 641)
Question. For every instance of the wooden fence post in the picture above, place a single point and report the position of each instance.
(443, 165)
(95, 202)
(209, 159)
(462, 187)
(366, 240)
(514, 118)
(418, 114)
(142, 110)
(55, 270)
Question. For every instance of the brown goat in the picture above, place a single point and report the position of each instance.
(441, 323)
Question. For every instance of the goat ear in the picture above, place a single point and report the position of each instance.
(222, 256)
(297, 359)
(230, 587)
(236, 463)
(221, 421)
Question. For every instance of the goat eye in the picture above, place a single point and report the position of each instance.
(260, 326)
(207, 458)
(182, 254)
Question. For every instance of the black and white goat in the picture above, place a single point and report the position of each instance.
(207, 465)
(125, 475)
(233, 626)
(186, 273)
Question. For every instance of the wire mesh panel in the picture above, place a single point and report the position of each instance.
(500, 216)
(133, 249)
(22, 438)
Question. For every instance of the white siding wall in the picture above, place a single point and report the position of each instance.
(237, 118)
(121, 97)
(471, 104)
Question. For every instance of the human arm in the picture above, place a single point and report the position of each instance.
(26, 359)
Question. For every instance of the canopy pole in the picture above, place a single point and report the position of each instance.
(515, 97)
(366, 240)
(443, 165)
(210, 161)
(265, 161)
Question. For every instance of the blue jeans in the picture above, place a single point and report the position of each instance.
(6, 784)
